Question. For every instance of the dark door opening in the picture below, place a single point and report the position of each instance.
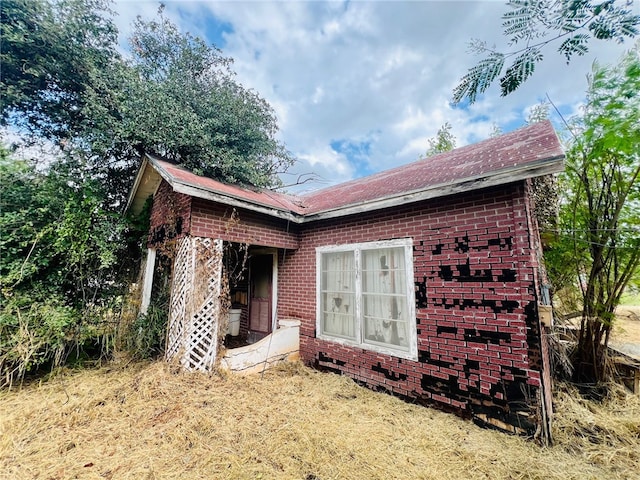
(261, 295)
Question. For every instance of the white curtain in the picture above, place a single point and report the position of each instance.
(384, 296)
(338, 294)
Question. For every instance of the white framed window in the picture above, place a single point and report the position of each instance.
(365, 296)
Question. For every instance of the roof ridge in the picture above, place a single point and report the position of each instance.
(527, 152)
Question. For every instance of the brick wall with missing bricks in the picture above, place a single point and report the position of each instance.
(479, 349)
(475, 273)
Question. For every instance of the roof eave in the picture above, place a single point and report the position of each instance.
(501, 177)
(189, 189)
(521, 172)
(136, 185)
(140, 183)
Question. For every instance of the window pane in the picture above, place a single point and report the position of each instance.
(338, 294)
(386, 332)
(383, 271)
(338, 316)
(384, 297)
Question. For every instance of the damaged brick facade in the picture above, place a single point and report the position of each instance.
(479, 337)
(476, 269)
(170, 215)
(174, 215)
(466, 217)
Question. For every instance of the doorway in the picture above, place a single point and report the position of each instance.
(262, 272)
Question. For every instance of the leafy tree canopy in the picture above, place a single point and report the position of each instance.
(538, 113)
(189, 107)
(58, 250)
(175, 95)
(51, 54)
(534, 24)
(66, 253)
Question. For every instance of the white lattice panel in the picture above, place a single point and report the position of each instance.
(181, 279)
(195, 303)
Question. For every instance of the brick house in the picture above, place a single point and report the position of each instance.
(424, 281)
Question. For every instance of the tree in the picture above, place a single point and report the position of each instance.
(66, 254)
(57, 252)
(52, 53)
(496, 131)
(538, 113)
(175, 96)
(600, 214)
(444, 141)
(536, 24)
(186, 104)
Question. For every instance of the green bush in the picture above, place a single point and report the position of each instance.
(61, 264)
(33, 334)
(148, 333)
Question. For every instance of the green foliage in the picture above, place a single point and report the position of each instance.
(189, 107)
(520, 70)
(32, 333)
(577, 44)
(600, 215)
(479, 78)
(538, 113)
(66, 255)
(27, 223)
(175, 96)
(444, 141)
(57, 252)
(56, 232)
(52, 53)
(144, 335)
(496, 131)
(148, 332)
(537, 23)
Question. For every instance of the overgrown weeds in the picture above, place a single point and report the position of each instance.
(47, 334)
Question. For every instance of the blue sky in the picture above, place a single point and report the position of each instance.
(359, 87)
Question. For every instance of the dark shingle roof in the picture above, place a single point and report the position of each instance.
(527, 152)
(521, 148)
(264, 197)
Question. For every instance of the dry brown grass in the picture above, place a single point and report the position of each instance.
(145, 421)
(627, 325)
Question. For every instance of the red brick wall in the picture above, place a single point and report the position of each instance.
(476, 305)
(475, 272)
(243, 226)
(170, 215)
(175, 215)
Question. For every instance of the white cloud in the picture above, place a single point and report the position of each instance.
(380, 71)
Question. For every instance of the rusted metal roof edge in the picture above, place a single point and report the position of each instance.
(205, 194)
(513, 174)
(189, 188)
(499, 177)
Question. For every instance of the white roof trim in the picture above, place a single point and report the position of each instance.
(136, 184)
